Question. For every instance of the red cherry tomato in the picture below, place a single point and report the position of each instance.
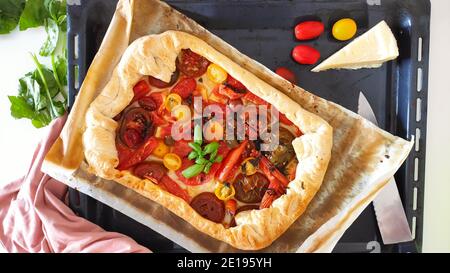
(304, 54)
(191, 64)
(132, 137)
(185, 87)
(286, 74)
(309, 30)
(140, 90)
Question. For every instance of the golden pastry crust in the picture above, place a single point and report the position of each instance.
(155, 55)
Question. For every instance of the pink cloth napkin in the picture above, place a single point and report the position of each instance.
(34, 217)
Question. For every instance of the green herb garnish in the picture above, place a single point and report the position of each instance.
(202, 163)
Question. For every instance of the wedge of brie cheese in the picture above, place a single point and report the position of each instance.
(370, 50)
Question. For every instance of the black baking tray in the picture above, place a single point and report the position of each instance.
(264, 31)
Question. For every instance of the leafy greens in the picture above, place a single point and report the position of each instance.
(42, 92)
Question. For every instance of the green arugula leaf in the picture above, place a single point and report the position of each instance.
(60, 67)
(33, 15)
(50, 44)
(20, 108)
(10, 11)
(55, 8)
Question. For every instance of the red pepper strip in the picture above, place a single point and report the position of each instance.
(284, 119)
(172, 187)
(271, 195)
(230, 93)
(278, 182)
(230, 161)
(249, 96)
(272, 172)
(139, 155)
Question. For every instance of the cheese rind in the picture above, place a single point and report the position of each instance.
(370, 50)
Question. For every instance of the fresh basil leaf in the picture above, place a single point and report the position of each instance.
(33, 15)
(196, 147)
(50, 44)
(192, 155)
(211, 147)
(213, 155)
(201, 161)
(193, 170)
(10, 11)
(207, 167)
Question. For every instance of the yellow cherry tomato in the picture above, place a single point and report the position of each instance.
(213, 131)
(247, 166)
(172, 161)
(344, 29)
(181, 113)
(161, 150)
(224, 191)
(172, 100)
(216, 73)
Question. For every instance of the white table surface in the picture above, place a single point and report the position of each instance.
(18, 138)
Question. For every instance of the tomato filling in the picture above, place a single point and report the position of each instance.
(218, 178)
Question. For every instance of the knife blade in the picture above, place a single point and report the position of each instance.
(389, 211)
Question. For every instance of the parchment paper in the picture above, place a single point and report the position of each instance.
(364, 157)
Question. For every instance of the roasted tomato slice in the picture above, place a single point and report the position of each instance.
(150, 170)
(185, 87)
(181, 148)
(162, 84)
(130, 157)
(148, 103)
(136, 127)
(191, 64)
(235, 85)
(250, 189)
(209, 206)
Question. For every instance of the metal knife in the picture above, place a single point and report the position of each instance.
(391, 217)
